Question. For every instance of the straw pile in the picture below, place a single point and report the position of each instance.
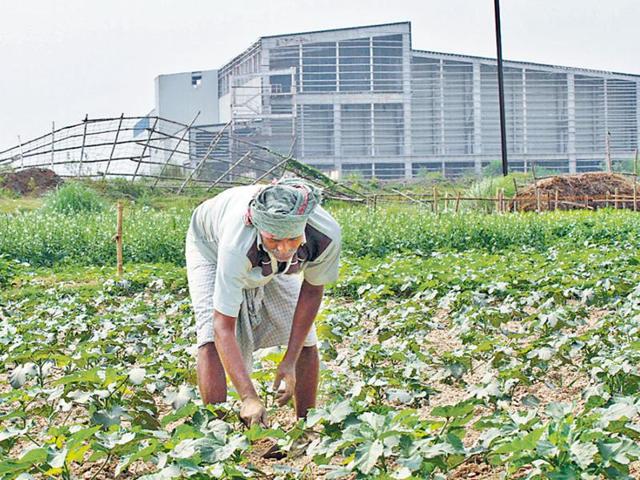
(568, 192)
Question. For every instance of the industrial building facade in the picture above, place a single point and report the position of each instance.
(362, 101)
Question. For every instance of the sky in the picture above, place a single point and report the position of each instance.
(63, 59)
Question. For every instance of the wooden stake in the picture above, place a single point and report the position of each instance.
(615, 199)
(118, 239)
(497, 200)
(555, 206)
(635, 195)
(457, 202)
(538, 200)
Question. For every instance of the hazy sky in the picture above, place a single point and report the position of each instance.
(62, 59)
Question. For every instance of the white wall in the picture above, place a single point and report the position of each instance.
(179, 100)
(225, 108)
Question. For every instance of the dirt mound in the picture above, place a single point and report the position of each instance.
(32, 181)
(585, 190)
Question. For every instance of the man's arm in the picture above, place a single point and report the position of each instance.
(224, 328)
(306, 310)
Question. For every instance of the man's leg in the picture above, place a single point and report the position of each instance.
(211, 377)
(307, 371)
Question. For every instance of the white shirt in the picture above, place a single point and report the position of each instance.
(219, 231)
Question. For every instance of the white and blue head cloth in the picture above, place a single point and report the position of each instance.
(282, 208)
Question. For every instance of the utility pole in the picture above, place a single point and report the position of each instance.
(503, 127)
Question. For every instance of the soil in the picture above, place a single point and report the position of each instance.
(32, 181)
(586, 190)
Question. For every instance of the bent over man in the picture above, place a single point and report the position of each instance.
(258, 258)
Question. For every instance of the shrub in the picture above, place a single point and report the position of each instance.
(73, 197)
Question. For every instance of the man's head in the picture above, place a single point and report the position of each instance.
(281, 248)
(280, 212)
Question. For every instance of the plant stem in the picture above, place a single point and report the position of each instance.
(104, 464)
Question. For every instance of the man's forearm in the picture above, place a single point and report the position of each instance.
(305, 313)
(231, 357)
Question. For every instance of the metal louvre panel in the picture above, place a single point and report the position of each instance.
(514, 110)
(316, 131)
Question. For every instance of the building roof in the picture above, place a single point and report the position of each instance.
(524, 63)
(339, 29)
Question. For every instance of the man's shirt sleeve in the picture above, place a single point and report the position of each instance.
(325, 270)
(230, 272)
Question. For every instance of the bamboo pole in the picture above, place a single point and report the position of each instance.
(185, 131)
(457, 202)
(408, 197)
(146, 146)
(118, 239)
(84, 141)
(538, 206)
(212, 146)
(113, 146)
(555, 207)
(615, 198)
(229, 170)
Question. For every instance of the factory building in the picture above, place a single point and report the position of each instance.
(363, 101)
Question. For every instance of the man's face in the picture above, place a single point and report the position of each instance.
(281, 248)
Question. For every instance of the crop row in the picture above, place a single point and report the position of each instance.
(46, 238)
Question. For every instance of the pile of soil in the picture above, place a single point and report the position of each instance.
(583, 191)
(32, 181)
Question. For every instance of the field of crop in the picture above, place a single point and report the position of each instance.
(452, 347)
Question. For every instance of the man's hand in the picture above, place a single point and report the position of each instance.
(253, 412)
(286, 374)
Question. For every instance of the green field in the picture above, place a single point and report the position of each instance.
(470, 346)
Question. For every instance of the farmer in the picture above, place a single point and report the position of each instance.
(258, 258)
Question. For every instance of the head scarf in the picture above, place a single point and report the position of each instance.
(282, 209)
